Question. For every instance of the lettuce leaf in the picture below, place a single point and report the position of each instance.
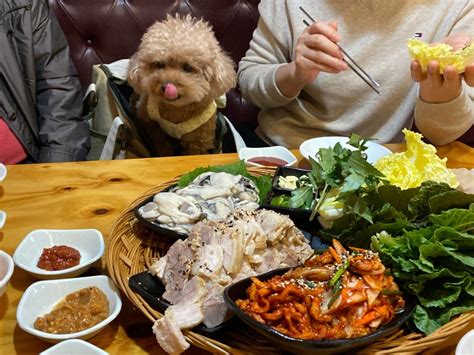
(448, 200)
(428, 320)
(436, 264)
(394, 210)
(460, 219)
(419, 206)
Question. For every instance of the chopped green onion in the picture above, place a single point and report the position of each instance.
(334, 297)
(310, 284)
(339, 273)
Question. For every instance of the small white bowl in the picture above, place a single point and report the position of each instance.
(89, 243)
(3, 172)
(74, 347)
(6, 271)
(466, 344)
(271, 152)
(3, 218)
(41, 297)
(310, 147)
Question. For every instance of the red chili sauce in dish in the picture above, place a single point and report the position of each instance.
(268, 161)
(59, 257)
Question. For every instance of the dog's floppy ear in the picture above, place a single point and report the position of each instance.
(223, 75)
(134, 75)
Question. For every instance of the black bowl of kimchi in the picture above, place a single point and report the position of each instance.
(300, 346)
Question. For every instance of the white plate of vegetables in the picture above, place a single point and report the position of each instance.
(373, 151)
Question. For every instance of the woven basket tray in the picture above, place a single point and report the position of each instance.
(132, 248)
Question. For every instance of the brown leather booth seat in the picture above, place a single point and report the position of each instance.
(103, 31)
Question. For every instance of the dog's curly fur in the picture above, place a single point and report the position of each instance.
(182, 51)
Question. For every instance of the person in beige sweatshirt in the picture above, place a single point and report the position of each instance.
(297, 76)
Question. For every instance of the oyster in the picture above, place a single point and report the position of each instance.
(211, 196)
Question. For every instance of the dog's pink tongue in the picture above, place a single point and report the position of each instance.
(171, 92)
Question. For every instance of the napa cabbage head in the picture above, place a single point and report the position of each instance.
(419, 163)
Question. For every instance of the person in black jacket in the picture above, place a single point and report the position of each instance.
(40, 94)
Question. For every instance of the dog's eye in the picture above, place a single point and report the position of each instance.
(160, 65)
(187, 68)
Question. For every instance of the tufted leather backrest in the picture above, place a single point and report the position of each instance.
(103, 31)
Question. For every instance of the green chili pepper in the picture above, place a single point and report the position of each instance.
(339, 273)
(280, 200)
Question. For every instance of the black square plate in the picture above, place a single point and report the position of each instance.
(151, 289)
(285, 171)
(299, 216)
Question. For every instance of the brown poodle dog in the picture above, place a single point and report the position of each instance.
(177, 73)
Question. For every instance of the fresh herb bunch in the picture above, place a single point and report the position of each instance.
(346, 175)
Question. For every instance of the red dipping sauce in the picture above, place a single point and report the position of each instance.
(268, 161)
(59, 257)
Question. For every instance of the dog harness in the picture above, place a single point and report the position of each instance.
(177, 130)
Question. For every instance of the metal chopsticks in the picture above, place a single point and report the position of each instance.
(354, 66)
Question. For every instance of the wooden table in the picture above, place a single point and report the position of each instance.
(91, 195)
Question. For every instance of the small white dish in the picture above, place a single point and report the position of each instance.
(466, 344)
(74, 347)
(41, 297)
(6, 271)
(3, 218)
(89, 243)
(278, 152)
(310, 147)
(3, 172)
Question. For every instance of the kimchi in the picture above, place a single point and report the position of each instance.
(338, 294)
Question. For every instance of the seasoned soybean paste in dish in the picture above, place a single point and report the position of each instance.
(268, 161)
(58, 257)
(77, 311)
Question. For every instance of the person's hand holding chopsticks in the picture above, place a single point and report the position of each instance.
(316, 51)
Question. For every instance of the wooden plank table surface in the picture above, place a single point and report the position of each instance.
(91, 195)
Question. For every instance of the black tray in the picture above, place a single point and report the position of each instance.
(151, 289)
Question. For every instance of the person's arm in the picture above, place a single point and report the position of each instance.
(63, 133)
(444, 109)
(271, 75)
(267, 52)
